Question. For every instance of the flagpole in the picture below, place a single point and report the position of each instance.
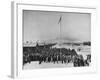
(60, 24)
(60, 30)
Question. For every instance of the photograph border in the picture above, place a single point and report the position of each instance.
(16, 40)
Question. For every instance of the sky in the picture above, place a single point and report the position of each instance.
(45, 25)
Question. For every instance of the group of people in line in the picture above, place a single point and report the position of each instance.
(55, 55)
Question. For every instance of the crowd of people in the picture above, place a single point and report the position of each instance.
(54, 55)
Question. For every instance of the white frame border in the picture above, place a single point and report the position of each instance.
(16, 70)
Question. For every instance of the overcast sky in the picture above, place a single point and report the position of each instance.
(39, 25)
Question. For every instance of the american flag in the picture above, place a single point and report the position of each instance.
(60, 19)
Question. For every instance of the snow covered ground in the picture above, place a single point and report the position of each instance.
(36, 65)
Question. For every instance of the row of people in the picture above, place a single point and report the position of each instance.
(55, 55)
(76, 59)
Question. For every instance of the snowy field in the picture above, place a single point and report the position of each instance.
(36, 65)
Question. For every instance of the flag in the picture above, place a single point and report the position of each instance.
(59, 20)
